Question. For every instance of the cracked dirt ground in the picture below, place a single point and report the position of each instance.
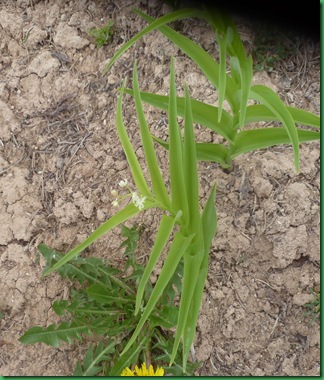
(60, 156)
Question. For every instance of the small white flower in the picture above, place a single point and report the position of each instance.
(123, 183)
(138, 202)
(114, 192)
(135, 197)
(141, 203)
(115, 203)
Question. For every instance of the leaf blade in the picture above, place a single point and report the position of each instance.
(269, 98)
(202, 59)
(158, 185)
(51, 335)
(259, 112)
(155, 24)
(202, 113)
(178, 189)
(250, 140)
(165, 229)
(129, 151)
(124, 214)
(177, 250)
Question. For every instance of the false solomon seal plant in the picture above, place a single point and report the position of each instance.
(193, 230)
(187, 228)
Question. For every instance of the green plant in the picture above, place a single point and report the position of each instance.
(102, 303)
(102, 35)
(236, 88)
(314, 307)
(194, 231)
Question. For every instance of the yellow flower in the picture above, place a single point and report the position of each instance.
(127, 372)
(143, 371)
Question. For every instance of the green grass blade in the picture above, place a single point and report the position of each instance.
(92, 360)
(202, 113)
(209, 220)
(241, 65)
(242, 71)
(170, 17)
(165, 229)
(250, 140)
(129, 151)
(202, 59)
(222, 42)
(246, 81)
(207, 152)
(190, 168)
(177, 250)
(157, 181)
(304, 117)
(129, 358)
(192, 263)
(222, 21)
(235, 71)
(258, 112)
(179, 198)
(194, 254)
(118, 218)
(269, 98)
(209, 223)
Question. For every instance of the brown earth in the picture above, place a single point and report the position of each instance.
(60, 157)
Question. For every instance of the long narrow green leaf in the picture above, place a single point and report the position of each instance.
(209, 223)
(165, 229)
(207, 152)
(222, 43)
(118, 218)
(222, 21)
(202, 113)
(250, 140)
(129, 151)
(157, 181)
(202, 59)
(129, 358)
(195, 252)
(170, 17)
(92, 359)
(269, 98)
(209, 220)
(246, 81)
(207, 115)
(190, 169)
(241, 65)
(177, 250)
(179, 198)
(192, 263)
(242, 72)
(304, 117)
(258, 112)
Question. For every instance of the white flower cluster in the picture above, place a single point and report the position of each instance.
(136, 199)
